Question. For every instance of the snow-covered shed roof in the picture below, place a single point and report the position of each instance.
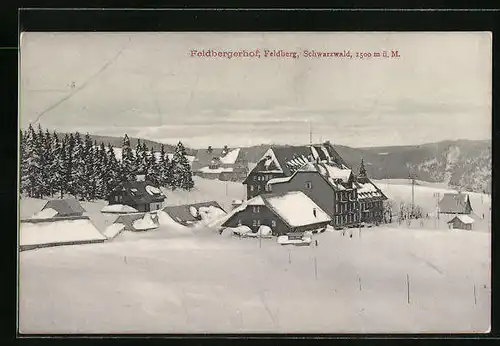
(58, 232)
(296, 209)
(65, 207)
(464, 218)
(454, 203)
(183, 213)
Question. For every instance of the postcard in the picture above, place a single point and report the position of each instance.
(255, 182)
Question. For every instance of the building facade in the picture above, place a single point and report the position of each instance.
(223, 164)
(141, 195)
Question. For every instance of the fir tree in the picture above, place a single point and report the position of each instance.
(153, 173)
(127, 164)
(32, 170)
(41, 186)
(69, 165)
(139, 158)
(102, 172)
(54, 163)
(93, 170)
(164, 168)
(78, 169)
(182, 176)
(144, 166)
(114, 178)
(62, 168)
(362, 170)
(23, 172)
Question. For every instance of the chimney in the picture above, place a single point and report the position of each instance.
(209, 149)
(314, 212)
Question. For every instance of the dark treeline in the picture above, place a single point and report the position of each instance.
(74, 165)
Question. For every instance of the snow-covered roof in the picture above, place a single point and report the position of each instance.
(338, 173)
(59, 231)
(257, 200)
(297, 209)
(118, 208)
(279, 180)
(207, 169)
(230, 157)
(368, 190)
(465, 219)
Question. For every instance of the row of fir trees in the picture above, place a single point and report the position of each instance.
(75, 165)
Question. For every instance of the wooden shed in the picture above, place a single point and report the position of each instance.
(461, 222)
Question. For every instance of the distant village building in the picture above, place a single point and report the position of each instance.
(282, 212)
(455, 203)
(141, 195)
(319, 172)
(224, 164)
(461, 222)
(64, 207)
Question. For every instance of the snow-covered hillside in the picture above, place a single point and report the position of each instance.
(175, 279)
(160, 282)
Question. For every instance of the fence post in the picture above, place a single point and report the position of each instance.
(315, 268)
(475, 299)
(408, 288)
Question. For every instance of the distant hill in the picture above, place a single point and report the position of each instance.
(117, 142)
(461, 163)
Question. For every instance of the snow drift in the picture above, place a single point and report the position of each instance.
(113, 230)
(118, 208)
(58, 232)
(144, 224)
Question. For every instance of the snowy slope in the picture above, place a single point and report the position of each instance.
(55, 232)
(154, 283)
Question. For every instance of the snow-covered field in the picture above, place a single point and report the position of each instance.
(168, 280)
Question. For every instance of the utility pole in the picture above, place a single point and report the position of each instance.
(412, 177)
(310, 133)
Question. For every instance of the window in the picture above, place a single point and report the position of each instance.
(254, 178)
(308, 185)
(268, 187)
(251, 188)
(258, 222)
(336, 208)
(117, 198)
(273, 223)
(254, 223)
(256, 209)
(259, 187)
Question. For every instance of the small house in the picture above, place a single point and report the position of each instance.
(461, 222)
(282, 212)
(455, 203)
(226, 164)
(63, 207)
(141, 195)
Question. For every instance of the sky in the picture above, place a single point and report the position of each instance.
(148, 85)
